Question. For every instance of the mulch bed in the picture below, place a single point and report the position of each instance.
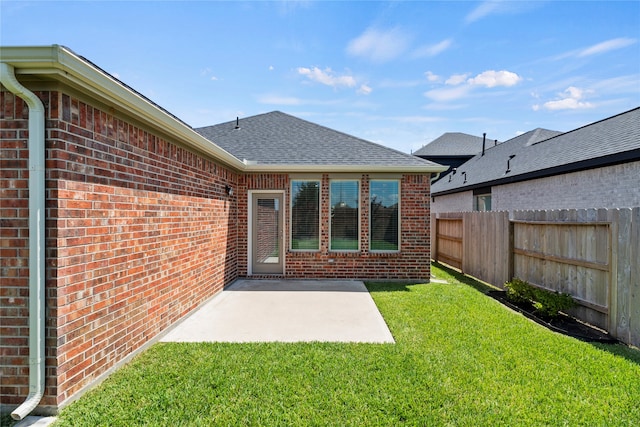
(562, 323)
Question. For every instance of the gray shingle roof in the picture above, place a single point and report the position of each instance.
(453, 144)
(277, 138)
(541, 153)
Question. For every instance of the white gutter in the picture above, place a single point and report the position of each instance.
(354, 168)
(60, 63)
(36, 241)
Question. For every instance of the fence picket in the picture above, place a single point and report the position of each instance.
(591, 254)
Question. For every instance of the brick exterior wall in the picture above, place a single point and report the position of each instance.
(457, 202)
(616, 186)
(139, 232)
(411, 263)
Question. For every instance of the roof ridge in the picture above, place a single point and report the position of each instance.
(335, 131)
(589, 125)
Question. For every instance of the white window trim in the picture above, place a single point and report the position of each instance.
(306, 179)
(378, 251)
(359, 183)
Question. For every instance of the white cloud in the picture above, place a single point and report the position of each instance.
(379, 46)
(271, 68)
(448, 94)
(206, 72)
(456, 79)
(432, 77)
(432, 50)
(607, 46)
(495, 7)
(365, 90)
(484, 9)
(570, 99)
(493, 78)
(461, 85)
(327, 77)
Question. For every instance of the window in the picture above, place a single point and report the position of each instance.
(345, 215)
(482, 199)
(384, 225)
(305, 215)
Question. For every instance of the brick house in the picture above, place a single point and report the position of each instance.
(595, 166)
(118, 219)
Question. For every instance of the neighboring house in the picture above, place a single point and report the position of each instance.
(118, 219)
(595, 166)
(453, 149)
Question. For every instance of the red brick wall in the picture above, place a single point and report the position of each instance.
(139, 232)
(411, 263)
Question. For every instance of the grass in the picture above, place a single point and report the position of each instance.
(460, 358)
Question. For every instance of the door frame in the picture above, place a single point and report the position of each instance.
(250, 195)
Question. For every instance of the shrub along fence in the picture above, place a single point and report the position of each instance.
(591, 254)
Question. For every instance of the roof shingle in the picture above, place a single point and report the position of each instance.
(542, 152)
(277, 138)
(453, 144)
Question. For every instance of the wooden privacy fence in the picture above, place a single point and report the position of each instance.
(592, 254)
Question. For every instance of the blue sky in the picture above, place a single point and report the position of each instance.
(398, 73)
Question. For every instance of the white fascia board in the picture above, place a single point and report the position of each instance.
(67, 67)
(62, 64)
(345, 168)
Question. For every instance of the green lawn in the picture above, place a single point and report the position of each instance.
(460, 358)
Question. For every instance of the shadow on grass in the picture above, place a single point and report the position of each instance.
(6, 420)
(462, 278)
(392, 286)
(620, 350)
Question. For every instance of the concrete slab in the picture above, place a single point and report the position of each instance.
(35, 421)
(286, 311)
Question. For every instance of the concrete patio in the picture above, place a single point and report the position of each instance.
(286, 311)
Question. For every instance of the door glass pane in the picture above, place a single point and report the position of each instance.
(267, 244)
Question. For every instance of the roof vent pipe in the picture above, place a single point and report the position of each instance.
(484, 140)
(509, 163)
(495, 142)
(237, 122)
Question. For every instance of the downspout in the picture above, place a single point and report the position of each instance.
(36, 147)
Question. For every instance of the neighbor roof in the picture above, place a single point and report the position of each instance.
(453, 144)
(280, 140)
(540, 153)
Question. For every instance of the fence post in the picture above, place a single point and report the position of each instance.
(434, 236)
(510, 252)
(634, 280)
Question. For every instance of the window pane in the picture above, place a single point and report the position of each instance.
(344, 216)
(305, 215)
(482, 202)
(384, 235)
